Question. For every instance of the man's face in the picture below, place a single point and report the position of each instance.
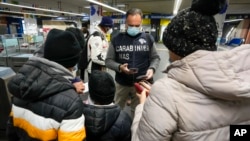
(134, 20)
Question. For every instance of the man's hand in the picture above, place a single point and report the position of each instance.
(79, 86)
(124, 68)
(150, 73)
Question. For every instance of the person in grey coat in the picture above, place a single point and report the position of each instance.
(204, 92)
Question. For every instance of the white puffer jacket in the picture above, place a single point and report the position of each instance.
(97, 48)
(200, 97)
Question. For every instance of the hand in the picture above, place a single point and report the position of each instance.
(142, 96)
(145, 84)
(149, 74)
(79, 86)
(124, 68)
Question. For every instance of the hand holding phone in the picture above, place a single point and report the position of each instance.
(139, 88)
(133, 70)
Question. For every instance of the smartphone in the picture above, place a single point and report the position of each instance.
(139, 88)
(141, 77)
(134, 70)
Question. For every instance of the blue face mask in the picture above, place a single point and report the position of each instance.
(133, 31)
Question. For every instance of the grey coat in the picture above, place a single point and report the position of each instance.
(198, 100)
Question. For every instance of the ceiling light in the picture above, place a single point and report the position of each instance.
(232, 20)
(87, 7)
(177, 4)
(40, 9)
(120, 5)
(15, 12)
(107, 6)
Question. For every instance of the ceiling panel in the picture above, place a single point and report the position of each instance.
(147, 6)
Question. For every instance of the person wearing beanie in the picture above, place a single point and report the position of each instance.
(97, 45)
(77, 82)
(45, 104)
(105, 121)
(81, 39)
(79, 69)
(204, 90)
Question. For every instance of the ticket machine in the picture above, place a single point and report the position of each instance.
(11, 55)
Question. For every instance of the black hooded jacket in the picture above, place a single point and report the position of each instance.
(106, 123)
(44, 103)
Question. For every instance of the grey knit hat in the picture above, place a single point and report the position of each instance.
(190, 31)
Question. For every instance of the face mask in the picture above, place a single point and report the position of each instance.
(110, 31)
(85, 35)
(132, 31)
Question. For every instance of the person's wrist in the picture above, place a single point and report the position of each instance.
(119, 68)
(152, 69)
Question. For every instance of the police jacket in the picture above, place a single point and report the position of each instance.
(138, 51)
(107, 123)
(45, 104)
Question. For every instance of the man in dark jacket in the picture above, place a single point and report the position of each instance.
(131, 54)
(105, 121)
(45, 105)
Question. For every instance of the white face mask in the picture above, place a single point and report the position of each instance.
(85, 35)
(110, 31)
(133, 31)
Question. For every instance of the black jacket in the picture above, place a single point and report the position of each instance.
(138, 51)
(107, 123)
(45, 104)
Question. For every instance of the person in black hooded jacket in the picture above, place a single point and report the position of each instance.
(104, 120)
(45, 104)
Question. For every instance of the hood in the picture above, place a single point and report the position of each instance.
(98, 29)
(39, 78)
(220, 74)
(99, 119)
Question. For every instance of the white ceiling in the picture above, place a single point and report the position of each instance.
(148, 6)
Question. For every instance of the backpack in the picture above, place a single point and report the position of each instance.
(86, 61)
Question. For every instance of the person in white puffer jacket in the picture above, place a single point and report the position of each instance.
(204, 90)
(98, 45)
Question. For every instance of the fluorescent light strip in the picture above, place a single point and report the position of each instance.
(233, 20)
(40, 9)
(228, 34)
(177, 4)
(107, 6)
(15, 12)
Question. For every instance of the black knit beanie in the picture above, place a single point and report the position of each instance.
(62, 47)
(193, 28)
(101, 87)
(189, 31)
